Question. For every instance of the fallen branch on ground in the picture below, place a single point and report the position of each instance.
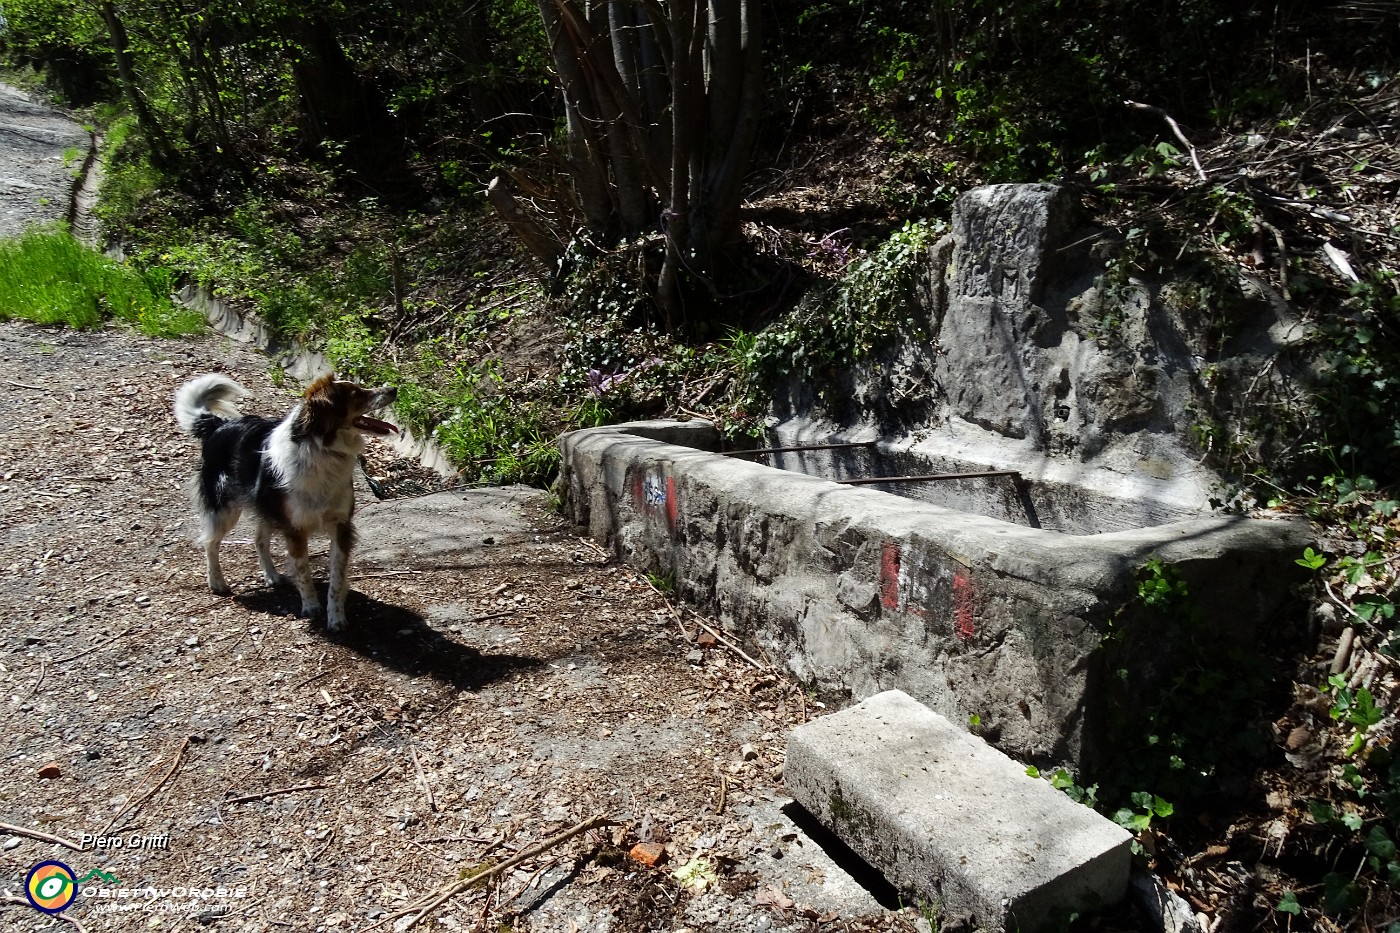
(101, 644)
(671, 609)
(330, 837)
(458, 887)
(727, 643)
(1176, 131)
(273, 793)
(179, 754)
(22, 902)
(42, 837)
(422, 778)
(607, 558)
(43, 671)
(529, 882)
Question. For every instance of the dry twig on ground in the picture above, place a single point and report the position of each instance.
(274, 793)
(458, 887)
(42, 837)
(1176, 131)
(719, 637)
(12, 899)
(135, 804)
(422, 778)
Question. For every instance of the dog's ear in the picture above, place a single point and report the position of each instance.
(321, 412)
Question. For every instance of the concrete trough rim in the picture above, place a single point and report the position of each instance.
(855, 590)
(915, 518)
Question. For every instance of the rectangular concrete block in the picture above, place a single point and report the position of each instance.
(951, 820)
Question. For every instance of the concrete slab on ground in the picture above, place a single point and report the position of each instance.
(445, 525)
(952, 820)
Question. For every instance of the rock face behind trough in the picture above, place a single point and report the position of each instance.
(947, 817)
(1043, 356)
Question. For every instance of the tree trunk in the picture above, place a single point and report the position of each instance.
(162, 154)
(662, 106)
(740, 86)
(586, 161)
(333, 102)
(208, 83)
(537, 240)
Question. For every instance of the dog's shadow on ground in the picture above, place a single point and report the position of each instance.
(399, 639)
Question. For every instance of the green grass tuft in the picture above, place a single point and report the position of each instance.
(48, 277)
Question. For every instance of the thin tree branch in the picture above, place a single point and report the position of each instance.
(1176, 131)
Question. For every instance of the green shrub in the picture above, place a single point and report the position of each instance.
(875, 300)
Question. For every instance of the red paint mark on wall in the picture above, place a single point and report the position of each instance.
(964, 626)
(889, 575)
(656, 496)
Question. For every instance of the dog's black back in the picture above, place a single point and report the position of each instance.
(234, 471)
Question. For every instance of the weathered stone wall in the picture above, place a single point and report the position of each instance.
(1037, 360)
(857, 591)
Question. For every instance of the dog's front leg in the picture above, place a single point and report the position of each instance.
(339, 585)
(301, 568)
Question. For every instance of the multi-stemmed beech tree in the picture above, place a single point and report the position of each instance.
(662, 101)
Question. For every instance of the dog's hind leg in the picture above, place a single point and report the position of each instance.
(339, 586)
(301, 568)
(262, 540)
(216, 526)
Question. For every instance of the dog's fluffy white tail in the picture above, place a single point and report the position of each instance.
(207, 395)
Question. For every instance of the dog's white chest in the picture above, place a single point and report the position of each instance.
(318, 481)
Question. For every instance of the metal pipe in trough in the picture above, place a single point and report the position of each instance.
(786, 450)
(931, 477)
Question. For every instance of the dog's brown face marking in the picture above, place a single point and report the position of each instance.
(330, 406)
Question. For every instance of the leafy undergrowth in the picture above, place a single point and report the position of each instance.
(487, 362)
(1306, 839)
(1334, 803)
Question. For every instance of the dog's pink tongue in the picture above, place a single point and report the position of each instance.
(374, 425)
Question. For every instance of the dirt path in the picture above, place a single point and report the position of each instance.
(503, 681)
(42, 152)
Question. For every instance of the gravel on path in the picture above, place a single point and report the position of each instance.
(42, 156)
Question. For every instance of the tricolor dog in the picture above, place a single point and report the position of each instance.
(295, 474)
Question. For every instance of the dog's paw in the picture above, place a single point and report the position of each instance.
(221, 589)
(335, 620)
(313, 611)
(277, 579)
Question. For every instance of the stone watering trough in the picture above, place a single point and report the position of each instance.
(961, 604)
(988, 596)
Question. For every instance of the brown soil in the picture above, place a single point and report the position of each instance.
(479, 705)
